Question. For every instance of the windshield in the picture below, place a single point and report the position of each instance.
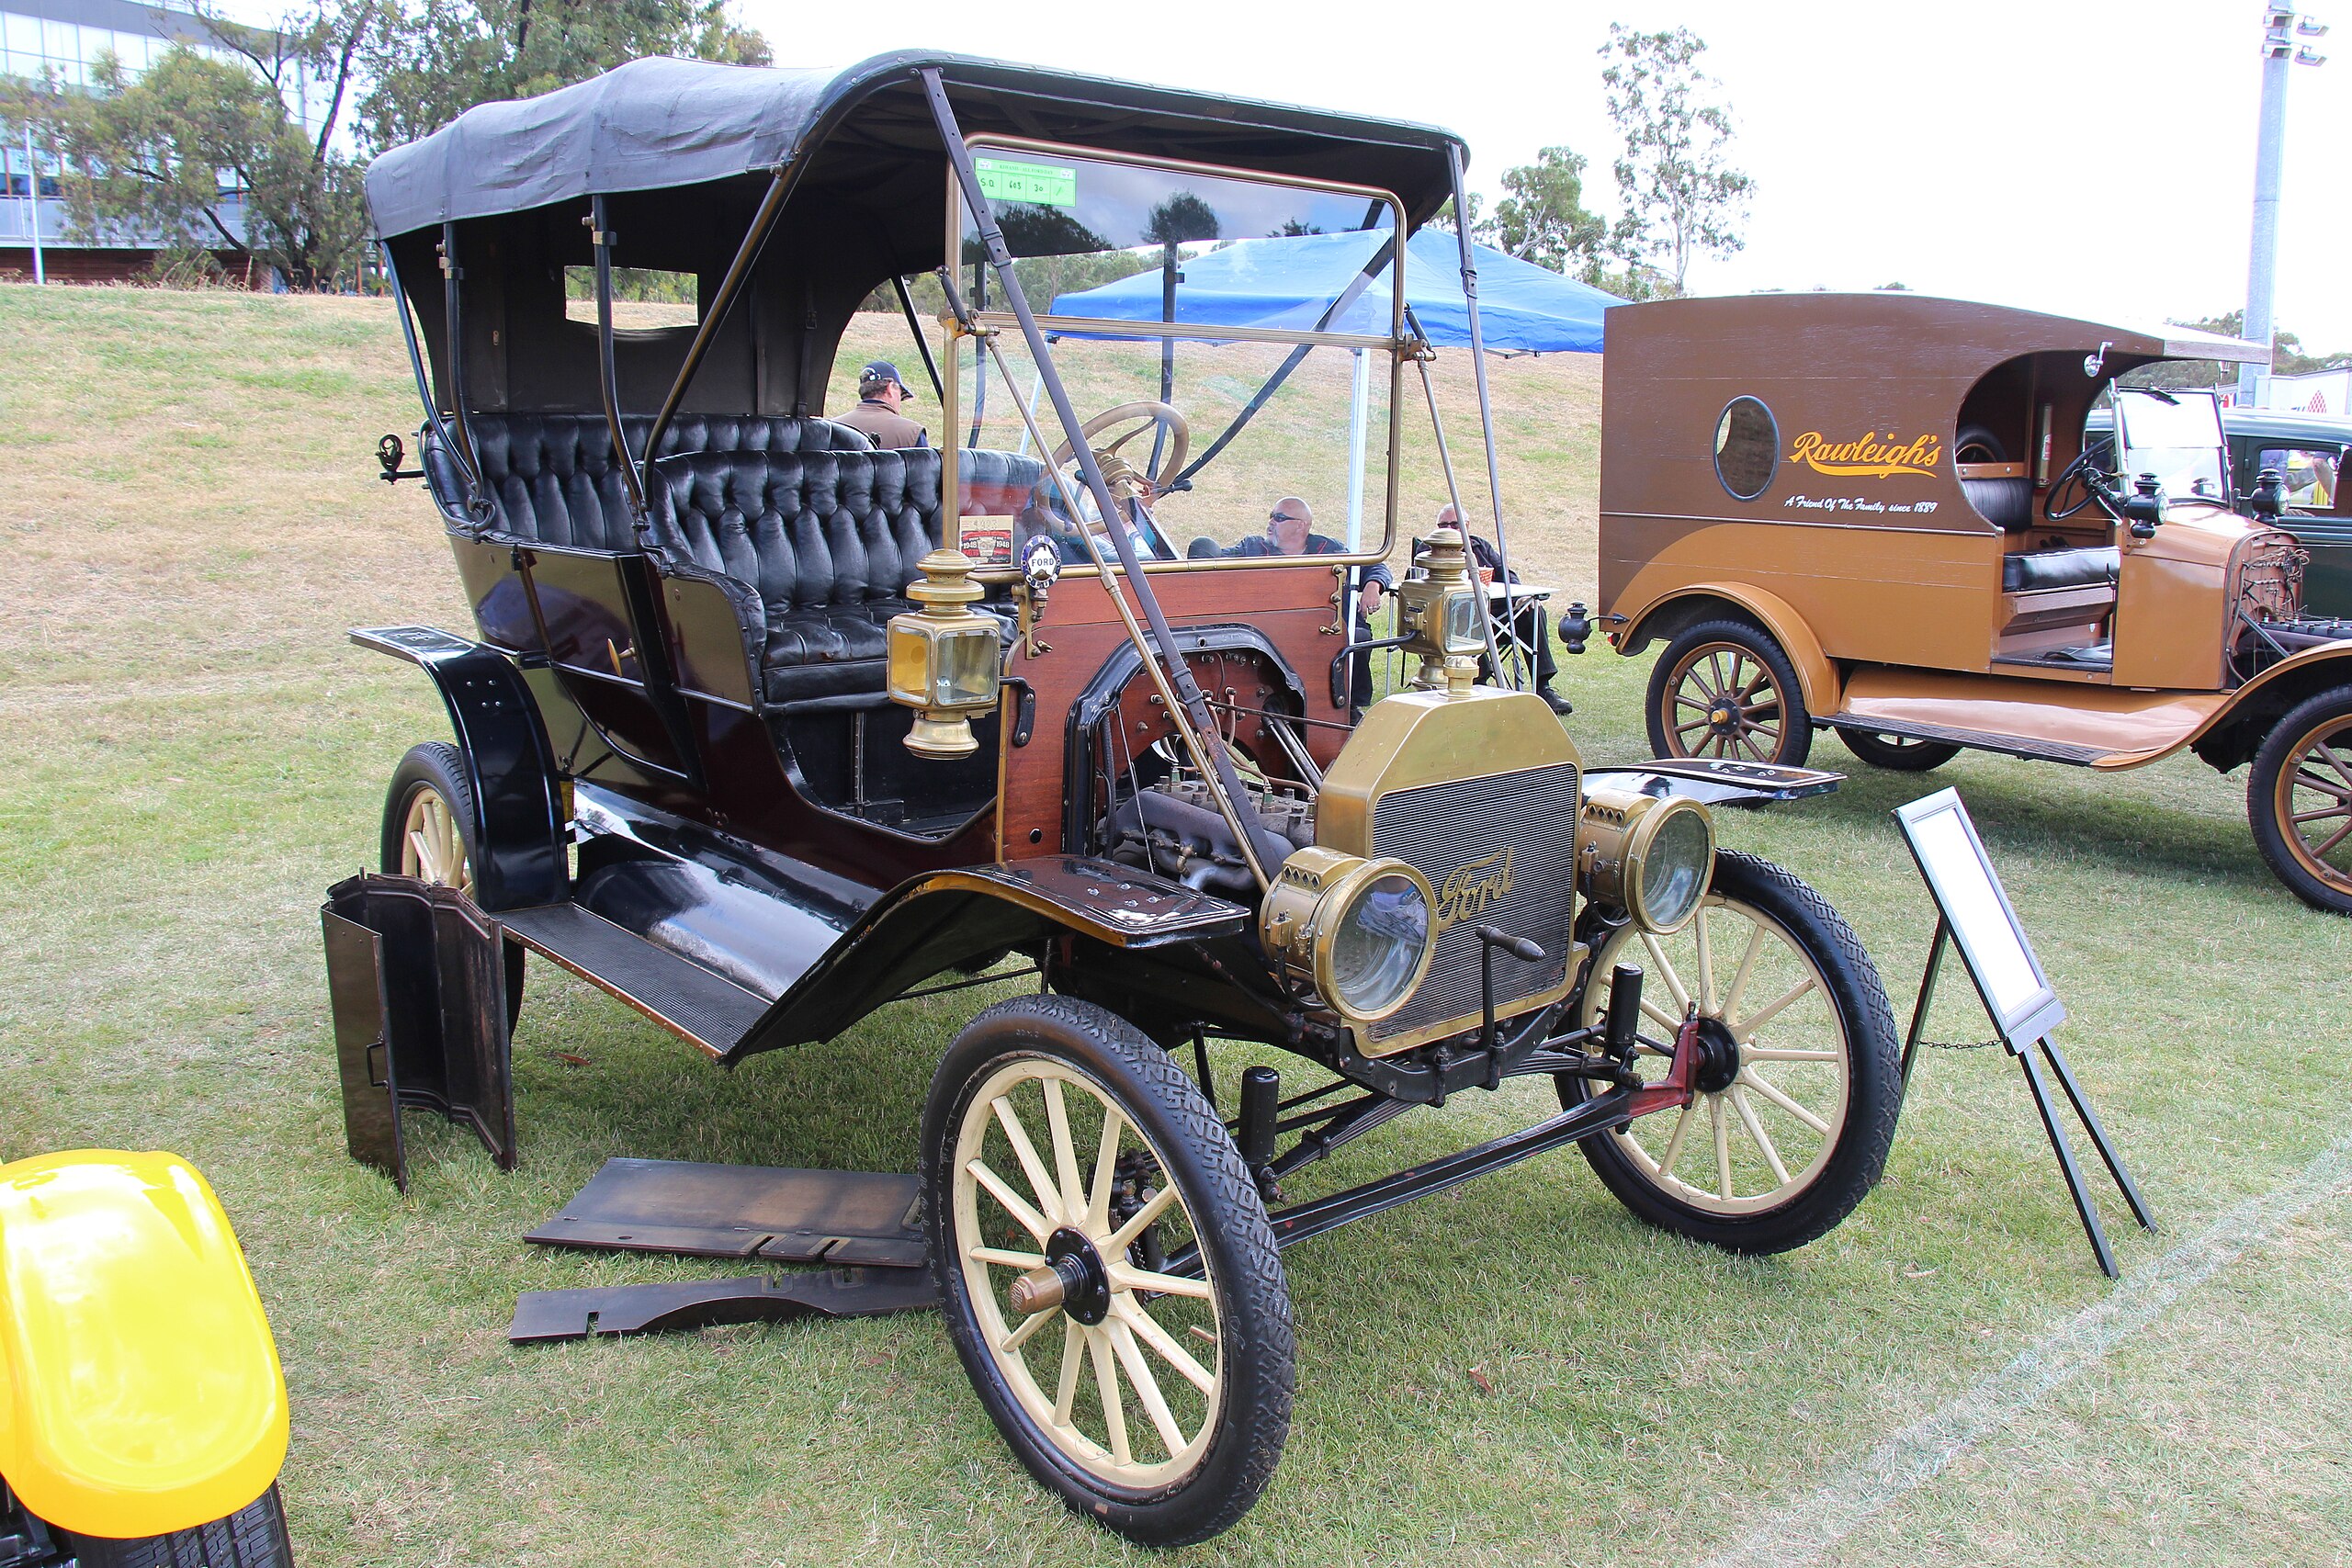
(1232, 339)
(2176, 435)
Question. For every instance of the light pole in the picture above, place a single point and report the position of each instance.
(32, 205)
(2280, 28)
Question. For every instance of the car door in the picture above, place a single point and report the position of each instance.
(597, 614)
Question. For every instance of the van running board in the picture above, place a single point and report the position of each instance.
(1975, 739)
(701, 1007)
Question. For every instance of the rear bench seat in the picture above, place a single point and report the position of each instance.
(552, 480)
(803, 511)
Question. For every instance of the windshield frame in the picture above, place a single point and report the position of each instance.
(1397, 346)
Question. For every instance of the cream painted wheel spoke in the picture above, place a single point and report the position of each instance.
(1681, 993)
(1004, 1259)
(1022, 1336)
(1072, 1190)
(1049, 1203)
(1132, 1312)
(1745, 1030)
(1155, 1404)
(1118, 1241)
(1756, 1131)
(1723, 1147)
(1674, 1144)
(1073, 1363)
(1106, 1387)
(1106, 1170)
(1663, 1019)
(1747, 968)
(1784, 1100)
(1124, 1277)
(1783, 1054)
(997, 1189)
(1706, 963)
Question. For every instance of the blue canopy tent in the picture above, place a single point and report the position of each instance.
(1291, 281)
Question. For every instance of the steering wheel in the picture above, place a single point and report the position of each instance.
(2092, 481)
(1118, 471)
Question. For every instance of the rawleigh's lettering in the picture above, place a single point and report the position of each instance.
(1869, 457)
(1468, 889)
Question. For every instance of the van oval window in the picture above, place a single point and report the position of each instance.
(1748, 449)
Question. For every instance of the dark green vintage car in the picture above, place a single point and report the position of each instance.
(2308, 451)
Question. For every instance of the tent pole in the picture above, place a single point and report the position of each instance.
(1358, 404)
(1486, 412)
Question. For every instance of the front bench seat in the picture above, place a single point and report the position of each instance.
(827, 540)
(551, 479)
(2090, 566)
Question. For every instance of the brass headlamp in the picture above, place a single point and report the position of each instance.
(1361, 931)
(1438, 608)
(1651, 856)
(946, 659)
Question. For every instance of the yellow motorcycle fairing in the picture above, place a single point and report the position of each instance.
(139, 1390)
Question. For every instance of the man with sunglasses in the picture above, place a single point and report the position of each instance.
(1290, 531)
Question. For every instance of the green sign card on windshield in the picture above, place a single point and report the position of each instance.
(1043, 184)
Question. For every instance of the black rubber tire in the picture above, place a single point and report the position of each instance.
(1797, 724)
(1873, 1098)
(252, 1537)
(439, 766)
(1258, 1359)
(1977, 444)
(2287, 741)
(1898, 755)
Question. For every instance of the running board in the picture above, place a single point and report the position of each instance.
(1975, 739)
(698, 1006)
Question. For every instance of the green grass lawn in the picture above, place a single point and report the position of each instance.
(191, 518)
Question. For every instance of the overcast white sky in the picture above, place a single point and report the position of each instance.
(2085, 156)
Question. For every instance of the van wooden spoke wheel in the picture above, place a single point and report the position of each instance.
(1722, 689)
(1109, 1277)
(1798, 1085)
(2299, 800)
(1898, 753)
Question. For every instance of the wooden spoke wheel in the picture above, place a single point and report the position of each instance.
(1898, 753)
(1799, 1081)
(1109, 1275)
(1722, 689)
(2299, 801)
(429, 834)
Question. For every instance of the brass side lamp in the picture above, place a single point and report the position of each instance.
(946, 659)
(1438, 608)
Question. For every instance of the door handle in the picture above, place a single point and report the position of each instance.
(617, 653)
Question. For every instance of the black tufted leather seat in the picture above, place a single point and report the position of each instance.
(829, 541)
(2093, 567)
(552, 480)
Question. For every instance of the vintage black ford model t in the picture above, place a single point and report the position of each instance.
(763, 727)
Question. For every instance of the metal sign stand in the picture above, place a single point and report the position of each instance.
(2001, 964)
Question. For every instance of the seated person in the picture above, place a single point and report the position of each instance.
(1529, 626)
(1290, 532)
(876, 417)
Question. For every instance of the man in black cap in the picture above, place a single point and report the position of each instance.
(877, 416)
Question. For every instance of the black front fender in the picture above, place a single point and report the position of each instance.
(946, 919)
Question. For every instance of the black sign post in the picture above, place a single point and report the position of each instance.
(1974, 914)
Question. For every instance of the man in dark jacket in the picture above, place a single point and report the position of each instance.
(1528, 628)
(1290, 531)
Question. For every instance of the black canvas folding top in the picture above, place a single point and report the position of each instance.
(660, 123)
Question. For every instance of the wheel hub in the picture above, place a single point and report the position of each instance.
(1723, 718)
(1718, 1057)
(1073, 1278)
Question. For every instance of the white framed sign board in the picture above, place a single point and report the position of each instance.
(1974, 914)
